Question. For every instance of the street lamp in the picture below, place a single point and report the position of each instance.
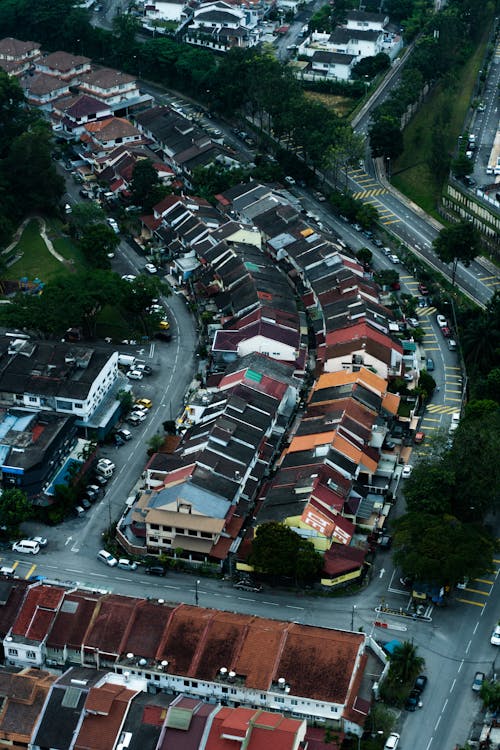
(196, 584)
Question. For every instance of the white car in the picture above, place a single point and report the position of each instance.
(139, 414)
(150, 268)
(107, 558)
(40, 540)
(134, 375)
(495, 636)
(407, 470)
(393, 258)
(125, 564)
(455, 421)
(392, 741)
(105, 463)
(441, 321)
(129, 277)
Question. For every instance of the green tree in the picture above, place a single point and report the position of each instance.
(126, 400)
(458, 243)
(490, 695)
(278, 551)
(14, 509)
(440, 549)
(215, 178)
(430, 488)
(29, 155)
(462, 166)
(405, 664)
(84, 215)
(426, 383)
(155, 443)
(386, 138)
(98, 242)
(364, 255)
(147, 189)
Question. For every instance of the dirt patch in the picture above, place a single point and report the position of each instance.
(341, 105)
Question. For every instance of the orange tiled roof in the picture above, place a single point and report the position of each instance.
(390, 402)
(307, 442)
(367, 377)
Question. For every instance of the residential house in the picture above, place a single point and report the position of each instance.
(70, 115)
(102, 136)
(22, 696)
(318, 674)
(366, 21)
(118, 90)
(16, 56)
(64, 65)
(334, 65)
(68, 379)
(32, 444)
(166, 10)
(360, 344)
(43, 90)
(221, 26)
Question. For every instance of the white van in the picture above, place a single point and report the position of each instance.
(26, 546)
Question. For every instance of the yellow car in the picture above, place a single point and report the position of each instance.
(144, 402)
(164, 325)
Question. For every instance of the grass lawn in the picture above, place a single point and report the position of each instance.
(36, 261)
(451, 101)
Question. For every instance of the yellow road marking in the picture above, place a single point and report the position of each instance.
(483, 580)
(467, 601)
(477, 591)
(30, 571)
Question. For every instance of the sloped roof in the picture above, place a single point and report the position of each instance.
(106, 707)
(38, 612)
(10, 47)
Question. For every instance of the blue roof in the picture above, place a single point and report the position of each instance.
(203, 501)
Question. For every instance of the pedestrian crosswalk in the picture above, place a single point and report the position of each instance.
(369, 193)
(442, 408)
(20, 568)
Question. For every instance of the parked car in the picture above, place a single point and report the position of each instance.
(495, 636)
(134, 374)
(40, 540)
(107, 558)
(420, 683)
(247, 586)
(392, 741)
(477, 683)
(150, 268)
(446, 332)
(413, 322)
(105, 463)
(441, 321)
(124, 433)
(125, 564)
(413, 701)
(423, 290)
(378, 243)
(429, 363)
(289, 180)
(419, 437)
(385, 541)
(452, 345)
(407, 470)
(155, 570)
(145, 403)
(145, 369)
(129, 277)
(393, 258)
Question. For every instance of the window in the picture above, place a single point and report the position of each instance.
(30, 654)
(279, 699)
(294, 702)
(12, 652)
(154, 526)
(78, 406)
(224, 689)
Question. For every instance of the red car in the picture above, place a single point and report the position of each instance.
(423, 290)
(446, 332)
(419, 437)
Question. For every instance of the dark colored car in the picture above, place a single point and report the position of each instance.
(420, 683)
(163, 335)
(430, 364)
(446, 332)
(155, 570)
(423, 290)
(385, 541)
(85, 502)
(413, 700)
(247, 586)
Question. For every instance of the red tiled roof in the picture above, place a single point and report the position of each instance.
(341, 559)
(109, 623)
(72, 620)
(37, 612)
(107, 706)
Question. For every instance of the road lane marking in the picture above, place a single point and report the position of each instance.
(291, 606)
(437, 724)
(474, 631)
(477, 591)
(468, 601)
(429, 743)
(68, 540)
(453, 684)
(444, 707)
(272, 604)
(468, 647)
(461, 665)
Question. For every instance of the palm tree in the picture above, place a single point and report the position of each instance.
(405, 663)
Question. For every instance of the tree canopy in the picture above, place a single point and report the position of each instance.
(458, 243)
(279, 552)
(14, 509)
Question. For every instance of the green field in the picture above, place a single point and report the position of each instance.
(447, 103)
(35, 260)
